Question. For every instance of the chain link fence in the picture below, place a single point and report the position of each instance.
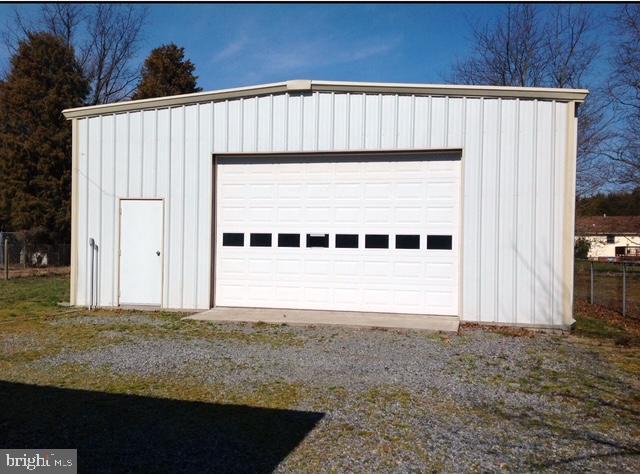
(614, 285)
(20, 257)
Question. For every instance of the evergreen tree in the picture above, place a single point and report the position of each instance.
(166, 72)
(35, 139)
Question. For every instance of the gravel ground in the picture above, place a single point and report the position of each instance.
(400, 400)
(133, 320)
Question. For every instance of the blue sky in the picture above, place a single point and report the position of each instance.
(238, 44)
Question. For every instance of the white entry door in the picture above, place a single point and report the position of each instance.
(351, 233)
(141, 252)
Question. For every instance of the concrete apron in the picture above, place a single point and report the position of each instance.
(339, 318)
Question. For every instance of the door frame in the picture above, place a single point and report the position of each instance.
(459, 151)
(119, 254)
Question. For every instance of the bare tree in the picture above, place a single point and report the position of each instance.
(114, 34)
(570, 46)
(570, 49)
(595, 137)
(14, 30)
(624, 88)
(63, 20)
(525, 49)
(105, 38)
(507, 53)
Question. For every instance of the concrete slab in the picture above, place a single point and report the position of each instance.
(341, 318)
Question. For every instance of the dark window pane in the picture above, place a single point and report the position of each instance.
(346, 241)
(376, 241)
(611, 239)
(288, 240)
(439, 242)
(317, 240)
(407, 241)
(260, 240)
(232, 240)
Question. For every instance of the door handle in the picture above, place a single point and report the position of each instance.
(158, 253)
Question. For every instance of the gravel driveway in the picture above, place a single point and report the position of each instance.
(392, 400)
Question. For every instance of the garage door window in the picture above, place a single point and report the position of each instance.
(288, 240)
(318, 240)
(232, 239)
(407, 241)
(376, 241)
(346, 241)
(260, 240)
(439, 242)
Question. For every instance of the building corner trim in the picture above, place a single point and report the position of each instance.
(74, 214)
(569, 214)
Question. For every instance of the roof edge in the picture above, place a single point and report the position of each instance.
(577, 95)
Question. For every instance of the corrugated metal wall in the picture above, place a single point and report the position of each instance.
(514, 182)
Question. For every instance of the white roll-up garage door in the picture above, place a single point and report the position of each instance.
(351, 232)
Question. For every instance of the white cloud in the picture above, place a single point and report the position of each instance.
(231, 49)
(275, 48)
(285, 59)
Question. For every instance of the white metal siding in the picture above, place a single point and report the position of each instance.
(513, 183)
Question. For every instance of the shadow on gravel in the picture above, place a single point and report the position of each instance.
(596, 442)
(140, 434)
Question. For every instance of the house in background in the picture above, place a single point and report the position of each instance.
(611, 237)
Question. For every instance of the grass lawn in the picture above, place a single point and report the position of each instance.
(147, 391)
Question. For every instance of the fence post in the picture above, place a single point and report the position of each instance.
(624, 289)
(92, 244)
(6, 258)
(592, 299)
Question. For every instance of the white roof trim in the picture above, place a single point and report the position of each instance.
(541, 93)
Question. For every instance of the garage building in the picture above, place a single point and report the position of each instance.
(395, 198)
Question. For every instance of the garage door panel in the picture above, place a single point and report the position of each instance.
(377, 215)
(409, 215)
(347, 214)
(347, 268)
(377, 190)
(230, 266)
(285, 293)
(376, 269)
(347, 191)
(338, 196)
(408, 270)
(409, 298)
(261, 191)
(317, 190)
(318, 215)
(288, 267)
(346, 296)
(233, 213)
(293, 191)
(233, 293)
(415, 191)
(443, 191)
(441, 299)
(317, 294)
(440, 215)
(262, 214)
(289, 214)
(320, 268)
(377, 296)
(259, 266)
(440, 272)
(234, 191)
